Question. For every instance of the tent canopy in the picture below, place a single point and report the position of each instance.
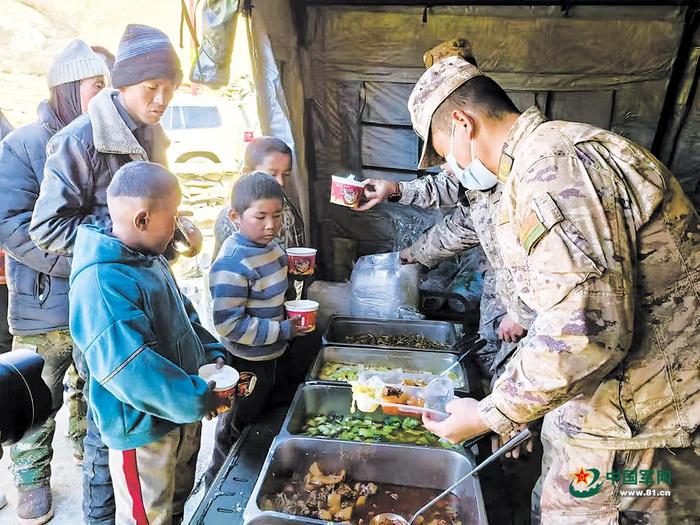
(345, 72)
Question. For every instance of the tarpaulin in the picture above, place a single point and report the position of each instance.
(346, 73)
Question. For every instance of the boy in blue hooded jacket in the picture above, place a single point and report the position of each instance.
(142, 346)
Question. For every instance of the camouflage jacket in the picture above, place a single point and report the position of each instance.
(472, 223)
(603, 246)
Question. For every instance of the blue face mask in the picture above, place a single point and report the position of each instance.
(476, 176)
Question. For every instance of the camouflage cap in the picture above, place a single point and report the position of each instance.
(433, 87)
(457, 47)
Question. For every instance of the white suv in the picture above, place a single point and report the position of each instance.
(203, 129)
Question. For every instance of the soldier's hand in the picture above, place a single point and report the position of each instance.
(375, 192)
(464, 421)
(523, 450)
(406, 257)
(510, 331)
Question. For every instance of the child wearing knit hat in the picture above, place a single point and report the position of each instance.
(121, 125)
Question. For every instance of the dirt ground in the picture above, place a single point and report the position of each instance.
(66, 481)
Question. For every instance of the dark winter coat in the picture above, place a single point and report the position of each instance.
(37, 280)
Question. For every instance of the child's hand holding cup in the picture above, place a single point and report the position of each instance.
(222, 381)
(303, 315)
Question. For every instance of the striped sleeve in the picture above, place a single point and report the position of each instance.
(230, 292)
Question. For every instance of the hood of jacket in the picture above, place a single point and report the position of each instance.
(95, 245)
(48, 118)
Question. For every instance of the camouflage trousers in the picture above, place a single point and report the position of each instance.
(584, 486)
(31, 457)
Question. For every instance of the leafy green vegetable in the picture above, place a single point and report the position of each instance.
(334, 371)
(393, 429)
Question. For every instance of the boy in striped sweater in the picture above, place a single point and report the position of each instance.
(248, 281)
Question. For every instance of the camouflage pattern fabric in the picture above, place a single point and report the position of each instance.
(627, 486)
(451, 236)
(455, 47)
(603, 246)
(77, 410)
(31, 457)
(471, 224)
(430, 91)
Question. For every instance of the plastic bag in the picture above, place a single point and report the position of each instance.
(213, 62)
(382, 288)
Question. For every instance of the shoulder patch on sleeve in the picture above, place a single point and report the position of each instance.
(505, 165)
(531, 232)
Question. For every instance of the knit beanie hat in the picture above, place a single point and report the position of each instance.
(76, 62)
(144, 53)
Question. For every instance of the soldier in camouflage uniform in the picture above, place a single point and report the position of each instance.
(602, 245)
(456, 233)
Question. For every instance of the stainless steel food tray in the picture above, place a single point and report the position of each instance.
(326, 399)
(340, 327)
(430, 361)
(400, 465)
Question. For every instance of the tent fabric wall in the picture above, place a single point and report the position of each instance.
(278, 80)
(681, 144)
(612, 73)
(347, 71)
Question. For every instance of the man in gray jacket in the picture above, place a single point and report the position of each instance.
(121, 125)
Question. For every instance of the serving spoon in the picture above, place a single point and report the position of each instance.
(389, 518)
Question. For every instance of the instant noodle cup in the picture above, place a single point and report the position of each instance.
(306, 310)
(346, 191)
(226, 379)
(301, 261)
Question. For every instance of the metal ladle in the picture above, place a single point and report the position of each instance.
(471, 346)
(388, 518)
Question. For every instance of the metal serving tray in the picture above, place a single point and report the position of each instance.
(430, 361)
(400, 465)
(340, 327)
(327, 399)
(266, 518)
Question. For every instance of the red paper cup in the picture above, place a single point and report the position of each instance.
(226, 380)
(346, 192)
(301, 261)
(305, 309)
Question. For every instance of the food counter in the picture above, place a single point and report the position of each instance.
(317, 460)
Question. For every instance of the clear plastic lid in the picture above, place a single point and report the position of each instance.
(399, 393)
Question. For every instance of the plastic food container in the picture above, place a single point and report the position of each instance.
(346, 191)
(226, 379)
(396, 393)
(301, 261)
(306, 309)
